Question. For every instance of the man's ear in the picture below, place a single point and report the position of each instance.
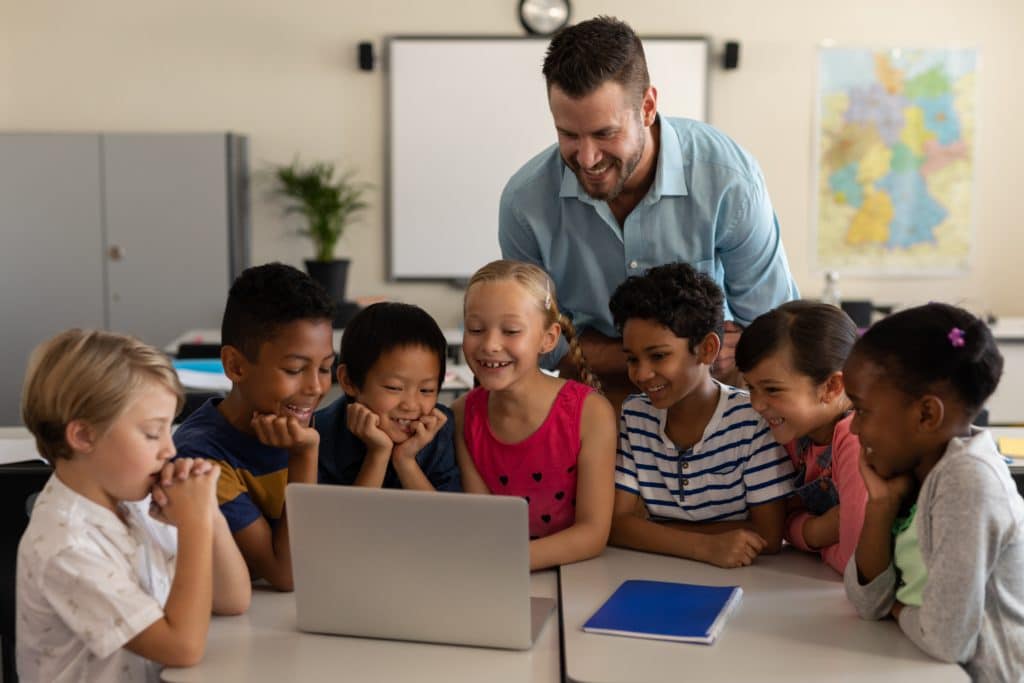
(236, 365)
(931, 410)
(81, 436)
(649, 106)
(346, 383)
(708, 348)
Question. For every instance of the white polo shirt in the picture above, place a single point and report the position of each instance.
(736, 463)
(88, 583)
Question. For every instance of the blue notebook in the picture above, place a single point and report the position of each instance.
(662, 610)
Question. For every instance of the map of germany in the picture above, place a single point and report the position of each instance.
(896, 160)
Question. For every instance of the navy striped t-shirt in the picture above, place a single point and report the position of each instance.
(736, 463)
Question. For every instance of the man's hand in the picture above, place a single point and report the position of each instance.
(724, 367)
(285, 432)
(425, 429)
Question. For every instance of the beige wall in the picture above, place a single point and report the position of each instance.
(285, 74)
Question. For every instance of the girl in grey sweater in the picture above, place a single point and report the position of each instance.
(942, 547)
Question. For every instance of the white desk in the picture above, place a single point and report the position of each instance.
(1006, 405)
(458, 378)
(211, 336)
(1017, 466)
(264, 645)
(794, 624)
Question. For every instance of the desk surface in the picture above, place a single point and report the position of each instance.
(264, 645)
(211, 336)
(794, 623)
(1017, 466)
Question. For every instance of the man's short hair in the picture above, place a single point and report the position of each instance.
(582, 58)
(263, 299)
(379, 328)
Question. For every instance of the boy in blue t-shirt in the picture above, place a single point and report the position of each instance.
(277, 350)
(698, 472)
(388, 431)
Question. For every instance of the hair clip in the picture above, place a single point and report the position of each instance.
(956, 337)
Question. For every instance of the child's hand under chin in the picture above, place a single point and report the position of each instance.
(285, 432)
(425, 429)
(365, 424)
(880, 490)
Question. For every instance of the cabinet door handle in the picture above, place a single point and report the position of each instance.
(115, 252)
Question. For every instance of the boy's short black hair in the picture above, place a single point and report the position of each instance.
(676, 295)
(381, 327)
(922, 347)
(263, 298)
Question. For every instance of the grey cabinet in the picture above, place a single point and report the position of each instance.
(139, 233)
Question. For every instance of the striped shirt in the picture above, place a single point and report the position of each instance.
(736, 463)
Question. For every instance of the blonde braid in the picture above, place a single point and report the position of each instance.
(576, 353)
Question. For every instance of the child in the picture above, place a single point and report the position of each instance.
(942, 549)
(792, 359)
(388, 429)
(102, 587)
(525, 433)
(699, 474)
(277, 349)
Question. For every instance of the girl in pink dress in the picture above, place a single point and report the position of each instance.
(525, 433)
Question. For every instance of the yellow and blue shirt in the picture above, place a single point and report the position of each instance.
(253, 475)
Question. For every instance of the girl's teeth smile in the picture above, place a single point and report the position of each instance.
(494, 365)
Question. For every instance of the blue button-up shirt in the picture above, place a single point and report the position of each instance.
(708, 206)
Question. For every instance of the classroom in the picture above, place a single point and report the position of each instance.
(146, 88)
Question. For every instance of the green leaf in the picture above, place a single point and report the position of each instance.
(328, 205)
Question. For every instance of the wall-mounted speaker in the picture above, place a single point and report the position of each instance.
(731, 56)
(366, 56)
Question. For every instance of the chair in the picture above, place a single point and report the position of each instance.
(187, 350)
(18, 485)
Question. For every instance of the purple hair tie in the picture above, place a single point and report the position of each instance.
(956, 337)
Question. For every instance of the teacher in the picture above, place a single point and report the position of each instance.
(626, 189)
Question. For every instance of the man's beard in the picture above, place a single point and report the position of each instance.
(625, 170)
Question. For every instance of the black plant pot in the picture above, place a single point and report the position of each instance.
(333, 275)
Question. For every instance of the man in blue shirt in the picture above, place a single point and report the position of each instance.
(626, 189)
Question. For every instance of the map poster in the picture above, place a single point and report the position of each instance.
(894, 160)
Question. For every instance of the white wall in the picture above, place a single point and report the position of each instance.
(285, 74)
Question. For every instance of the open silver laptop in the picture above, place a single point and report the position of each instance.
(412, 565)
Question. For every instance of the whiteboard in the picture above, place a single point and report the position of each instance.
(465, 114)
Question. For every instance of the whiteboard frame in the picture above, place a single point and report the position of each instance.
(391, 245)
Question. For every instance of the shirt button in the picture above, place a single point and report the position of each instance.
(633, 265)
(685, 465)
(685, 482)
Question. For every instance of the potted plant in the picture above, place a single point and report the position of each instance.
(329, 205)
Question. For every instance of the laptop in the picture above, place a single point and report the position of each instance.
(412, 565)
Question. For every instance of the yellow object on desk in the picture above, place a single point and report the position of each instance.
(1013, 447)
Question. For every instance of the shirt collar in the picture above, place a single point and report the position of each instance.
(668, 179)
(84, 514)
